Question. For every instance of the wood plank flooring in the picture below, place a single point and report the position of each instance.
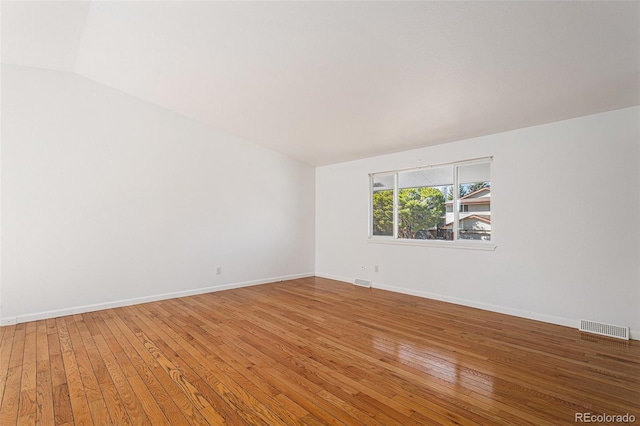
(310, 351)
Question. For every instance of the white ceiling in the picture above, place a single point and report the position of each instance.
(326, 82)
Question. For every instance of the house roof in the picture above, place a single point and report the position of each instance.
(475, 193)
(472, 199)
(326, 82)
(481, 217)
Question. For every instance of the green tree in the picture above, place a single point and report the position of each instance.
(450, 192)
(419, 209)
(466, 189)
(473, 187)
(383, 212)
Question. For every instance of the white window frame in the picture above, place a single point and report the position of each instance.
(455, 243)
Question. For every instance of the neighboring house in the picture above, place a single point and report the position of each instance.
(474, 215)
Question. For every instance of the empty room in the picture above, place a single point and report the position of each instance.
(319, 212)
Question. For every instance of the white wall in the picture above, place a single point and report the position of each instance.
(109, 200)
(565, 203)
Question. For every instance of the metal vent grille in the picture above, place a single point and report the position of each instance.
(363, 283)
(603, 329)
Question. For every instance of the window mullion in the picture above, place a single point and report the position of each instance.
(395, 205)
(370, 221)
(456, 204)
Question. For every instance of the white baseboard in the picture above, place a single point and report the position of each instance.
(336, 278)
(567, 322)
(137, 300)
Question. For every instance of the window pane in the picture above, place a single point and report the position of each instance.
(422, 196)
(382, 208)
(474, 196)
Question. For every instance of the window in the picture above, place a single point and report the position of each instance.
(421, 203)
(383, 195)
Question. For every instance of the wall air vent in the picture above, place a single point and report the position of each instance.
(362, 283)
(603, 329)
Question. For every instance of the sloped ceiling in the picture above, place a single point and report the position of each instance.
(326, 82)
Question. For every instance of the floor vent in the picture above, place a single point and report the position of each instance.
(605, 329)
(363, 283)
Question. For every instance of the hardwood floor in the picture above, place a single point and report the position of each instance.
(309, 351)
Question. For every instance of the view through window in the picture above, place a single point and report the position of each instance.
(421, 204)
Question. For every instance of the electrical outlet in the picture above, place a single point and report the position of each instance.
(375, 268)
(218, 270)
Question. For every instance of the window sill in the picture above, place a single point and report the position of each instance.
(464, 245)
